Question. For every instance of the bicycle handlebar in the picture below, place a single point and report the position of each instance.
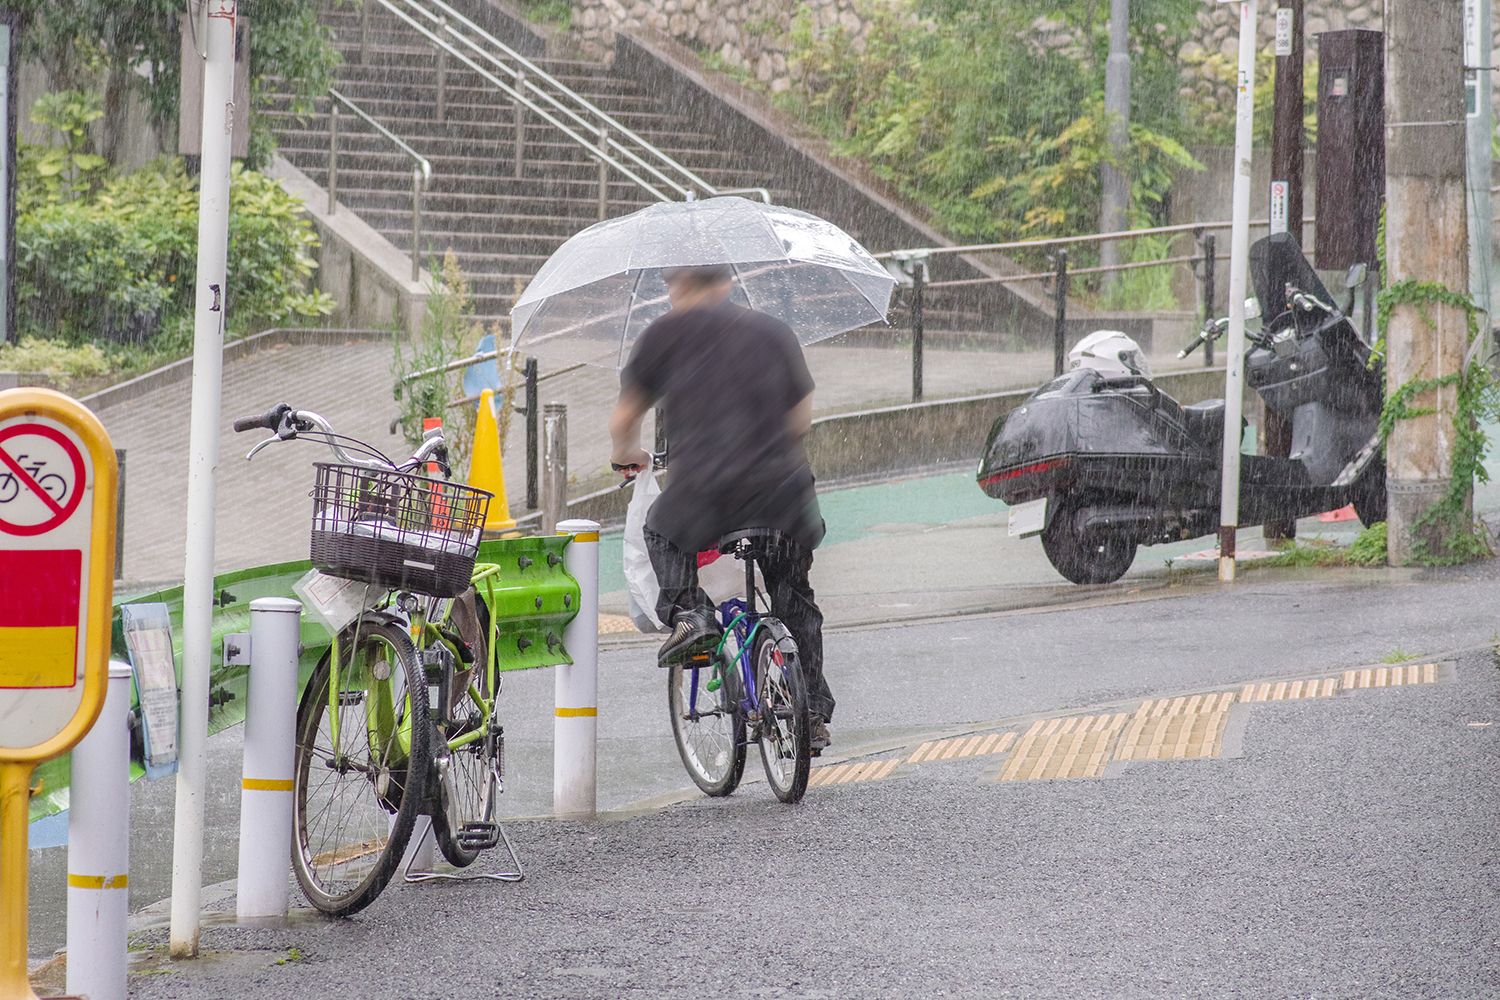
(287, 423)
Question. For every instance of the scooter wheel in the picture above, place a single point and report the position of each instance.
(1079, 561)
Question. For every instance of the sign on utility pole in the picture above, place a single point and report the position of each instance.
(1239, 258)
(57, 570)
(219, 114)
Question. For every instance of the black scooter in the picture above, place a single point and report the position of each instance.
(1100, 465)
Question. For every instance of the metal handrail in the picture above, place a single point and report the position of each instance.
(421, 174)
(591, 118)
(1057, 241)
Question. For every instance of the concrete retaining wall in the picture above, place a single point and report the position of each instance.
(369, 279)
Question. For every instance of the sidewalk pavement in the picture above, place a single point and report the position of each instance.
(1337, 846)
(263, 507)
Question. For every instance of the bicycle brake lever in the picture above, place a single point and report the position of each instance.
(259, 445)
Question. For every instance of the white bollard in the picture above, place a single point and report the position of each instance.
(99, 848)
(575, 729)
(270, 753)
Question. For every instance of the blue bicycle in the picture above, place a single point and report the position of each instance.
(749, 689)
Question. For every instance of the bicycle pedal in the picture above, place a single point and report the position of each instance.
(479, 836)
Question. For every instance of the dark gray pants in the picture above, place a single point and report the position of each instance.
(792, 601)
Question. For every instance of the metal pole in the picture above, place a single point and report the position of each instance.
(554, 465)
(1239, 254)
(918, 274)
(99, 848)
(659, 439)
(1210, 293)
(1480, 152)
(333, 155)
(603, 173)
(203, 459)
(364, 31)
(576, 685)
(270, 743)
(120, 516)
(1060, 321)
(442, 75)
(520, 156)
(531, 434)
(15, 785)
(416, 223)
(1115, 186)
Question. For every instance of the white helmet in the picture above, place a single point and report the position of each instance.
(1110, 353)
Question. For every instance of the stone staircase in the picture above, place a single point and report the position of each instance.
(500, 227)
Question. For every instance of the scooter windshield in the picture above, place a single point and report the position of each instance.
(1275, 261)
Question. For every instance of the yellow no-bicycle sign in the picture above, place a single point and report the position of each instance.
(57, 542)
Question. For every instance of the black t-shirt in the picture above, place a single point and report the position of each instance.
(728, 377)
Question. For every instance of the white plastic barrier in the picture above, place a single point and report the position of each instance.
(270, 752)
(575, 729)
(99, 848)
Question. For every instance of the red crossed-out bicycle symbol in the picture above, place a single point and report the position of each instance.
(40, 486)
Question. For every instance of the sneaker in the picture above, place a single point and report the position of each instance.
(694, 635)
(818, 737)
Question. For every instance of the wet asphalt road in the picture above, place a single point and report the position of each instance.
(1349, 852)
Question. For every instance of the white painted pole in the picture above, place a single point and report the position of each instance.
(575, 730)
(99, 848)
(270, 750)
(1239, 257)
(1477, 52)
(203, 457)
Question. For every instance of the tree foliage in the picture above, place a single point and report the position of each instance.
(116, 47)
(1000, 132)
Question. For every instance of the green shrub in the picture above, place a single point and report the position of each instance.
(120, 264)
(60, 362)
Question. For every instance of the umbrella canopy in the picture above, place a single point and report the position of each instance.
(601, 288)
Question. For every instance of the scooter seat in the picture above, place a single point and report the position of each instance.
(1205, 420)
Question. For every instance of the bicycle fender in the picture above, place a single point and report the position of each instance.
(782, 636)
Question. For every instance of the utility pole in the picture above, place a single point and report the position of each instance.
(1286, 193)
(203, 456)
(1427, 239)
(1239, 259)
(1114, 184)
(1478, 93)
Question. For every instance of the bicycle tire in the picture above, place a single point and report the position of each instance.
(469, 777)
(711, 743)
(783, 730)
(352, 823)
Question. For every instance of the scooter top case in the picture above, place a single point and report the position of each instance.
(1122, 435)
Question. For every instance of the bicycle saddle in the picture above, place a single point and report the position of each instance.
(759, 541)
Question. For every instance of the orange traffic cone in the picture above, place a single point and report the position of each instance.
(485, 469)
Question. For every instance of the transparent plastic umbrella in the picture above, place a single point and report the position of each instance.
(601, 288)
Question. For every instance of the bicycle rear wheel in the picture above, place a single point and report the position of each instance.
(469, 777)
(708, 725)
(358, 791)
(783, 730)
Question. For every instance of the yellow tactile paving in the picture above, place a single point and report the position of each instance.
(1077, 747)
(1176, 728)
(1379, 677)
(611, 624)
(964, 746)
(1322, 687)
(839, 774)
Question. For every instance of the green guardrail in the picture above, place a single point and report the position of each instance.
(529, 593)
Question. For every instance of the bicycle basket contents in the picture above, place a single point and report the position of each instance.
(397, 530)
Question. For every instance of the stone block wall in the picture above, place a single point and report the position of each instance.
(754, 36)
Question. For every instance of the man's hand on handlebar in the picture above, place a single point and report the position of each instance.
(631, 462)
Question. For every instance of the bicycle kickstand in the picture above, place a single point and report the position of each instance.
(413, 851)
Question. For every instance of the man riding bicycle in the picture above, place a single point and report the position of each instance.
(738, 400)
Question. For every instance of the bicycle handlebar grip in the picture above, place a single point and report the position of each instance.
(270, 420)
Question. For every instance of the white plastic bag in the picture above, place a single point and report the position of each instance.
(640, 578)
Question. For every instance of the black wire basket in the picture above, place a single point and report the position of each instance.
(397, 530)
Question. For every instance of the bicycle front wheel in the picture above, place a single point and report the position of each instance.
(708, 724)
(785, 747)
(362, 760)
